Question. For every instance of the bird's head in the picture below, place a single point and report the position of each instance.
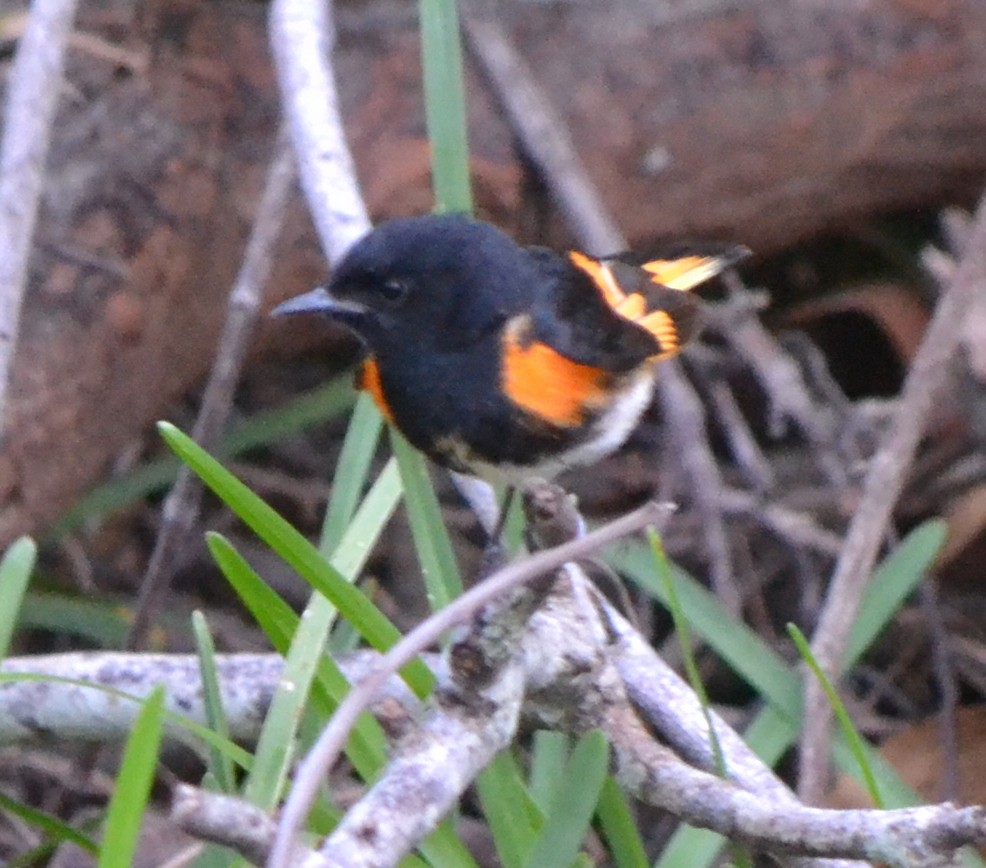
(411, 271)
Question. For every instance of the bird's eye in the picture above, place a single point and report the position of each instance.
(394, 290)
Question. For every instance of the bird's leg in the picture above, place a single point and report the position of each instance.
(494, 551)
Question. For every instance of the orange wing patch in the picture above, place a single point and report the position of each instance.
(662, 325)
(368, 380)
(659, 308)
(633, 306)
(545, 383)
(601, 276)
(684, 273)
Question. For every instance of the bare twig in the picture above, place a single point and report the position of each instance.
(945, 677)
(566, 673)
(302, 36)
(956, 227)
(743, 444)
(181, 507)
(224, 820)
(33, 87)
(542, 131)
(686, 422)
(797, 527)
(582, 691)
(788, 395)
(326, 750)
(882, 488)
(436, 764)
(569, 674)
(924, 837)
(36, 708)
(482, 500)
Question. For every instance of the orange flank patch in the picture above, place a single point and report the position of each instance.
(546, 384)
(601, 276)
(684, 273)
(369, 381)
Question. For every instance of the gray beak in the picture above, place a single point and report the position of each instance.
(318, 301)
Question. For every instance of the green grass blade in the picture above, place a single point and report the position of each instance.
(762, 667)
(351, 471)
(278, 737)
(100, 621)
(620, 827)
(366, 526)
(219, 763)
(445, 105)
(443, 582)
(367, 746)
(15, 573)
(513, 817)
(56, 830)
(894, 580)
(308, 644)
(272, 614)
(838, 707)
(564, 830)
(549, 756)
(133, 785)
(443, 848)
(296, 550)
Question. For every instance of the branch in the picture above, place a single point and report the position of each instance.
(789, 398)
(58, 704)
(223, 820)
(884, 481)
(465, 730)
(326, 750)
(33, 87)
(302, 36)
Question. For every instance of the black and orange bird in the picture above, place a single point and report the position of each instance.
(503, 361)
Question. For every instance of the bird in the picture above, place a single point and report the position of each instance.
(505, 361)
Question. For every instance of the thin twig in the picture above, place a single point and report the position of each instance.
(302, 36)
(181, 507)
(432, 768)
(743, 444)
(884, 481)
(945, 677)
(542, 132)
(797, 527)
(224, 820)
(33, 87)
(788, 395)
(686, 424)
